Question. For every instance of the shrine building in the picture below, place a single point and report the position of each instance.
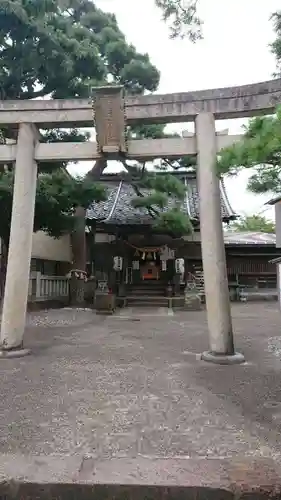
(126, 251)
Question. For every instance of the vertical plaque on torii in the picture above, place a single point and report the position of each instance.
(109, 117)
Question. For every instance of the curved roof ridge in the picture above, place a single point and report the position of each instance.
(119, 210)
(115, 202)
(225, 197)
(187, 200)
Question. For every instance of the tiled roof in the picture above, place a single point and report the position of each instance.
(102, 210)
(274, 200)
(118, 209)
(249, 238)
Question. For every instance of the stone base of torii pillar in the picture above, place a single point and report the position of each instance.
(236, 358)
(14, 353)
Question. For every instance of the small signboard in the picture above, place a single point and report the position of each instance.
(108, 105)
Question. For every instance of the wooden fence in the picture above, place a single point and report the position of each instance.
(43, 287)
(250, 265)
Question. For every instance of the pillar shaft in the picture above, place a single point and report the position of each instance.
(20, 246)
(212, 242)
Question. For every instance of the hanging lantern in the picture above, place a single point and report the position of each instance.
(164, 253)
(171, 254)
(137, 254)
(149, 256)
(179, 266)
(117, 263)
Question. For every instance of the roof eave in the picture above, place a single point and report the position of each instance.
(277, 260)
(273, 201)
(226, 200)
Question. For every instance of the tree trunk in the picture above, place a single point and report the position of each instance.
(78, 242)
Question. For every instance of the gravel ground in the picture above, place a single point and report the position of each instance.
(56, 318)
(133, 385)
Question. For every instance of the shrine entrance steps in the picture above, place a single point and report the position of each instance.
(150, 293)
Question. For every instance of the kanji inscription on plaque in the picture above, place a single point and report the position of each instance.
(109, 115)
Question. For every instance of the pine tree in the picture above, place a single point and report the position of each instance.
(182, 17)
(61, 50)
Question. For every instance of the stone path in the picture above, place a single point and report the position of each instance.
(132, 386)
(141, 312)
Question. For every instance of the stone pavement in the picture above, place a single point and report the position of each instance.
(127, 399)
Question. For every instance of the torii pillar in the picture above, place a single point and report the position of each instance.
(20, 245)
(213, 250)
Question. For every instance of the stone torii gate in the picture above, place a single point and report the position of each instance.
(111, 113)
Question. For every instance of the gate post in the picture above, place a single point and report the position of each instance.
(20, 246)
(212, 245)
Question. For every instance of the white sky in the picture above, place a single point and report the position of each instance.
(235, 51)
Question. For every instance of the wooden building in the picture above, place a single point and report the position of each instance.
(248, 256)
(130, 255)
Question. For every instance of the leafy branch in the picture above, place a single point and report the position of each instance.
(183, 18)
(259, 148)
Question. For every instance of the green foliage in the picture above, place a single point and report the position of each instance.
(160, 192)
(151, 201)
(174, 221)
(260, 147)
(183, 18)
(57, 135)
(276, 45)
(186, 163)
(57, 196)
(154, 131)
(62, 49)
(165, 184)
(65, 48)
(162, 195)
(255, 223)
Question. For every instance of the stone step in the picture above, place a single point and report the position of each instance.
(145, 297)
(146, 287)
(148, 304)
(149, 283)
(149, 292)
(142, 301)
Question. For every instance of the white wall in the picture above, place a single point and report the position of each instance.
(46, 248)
(104, 238)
